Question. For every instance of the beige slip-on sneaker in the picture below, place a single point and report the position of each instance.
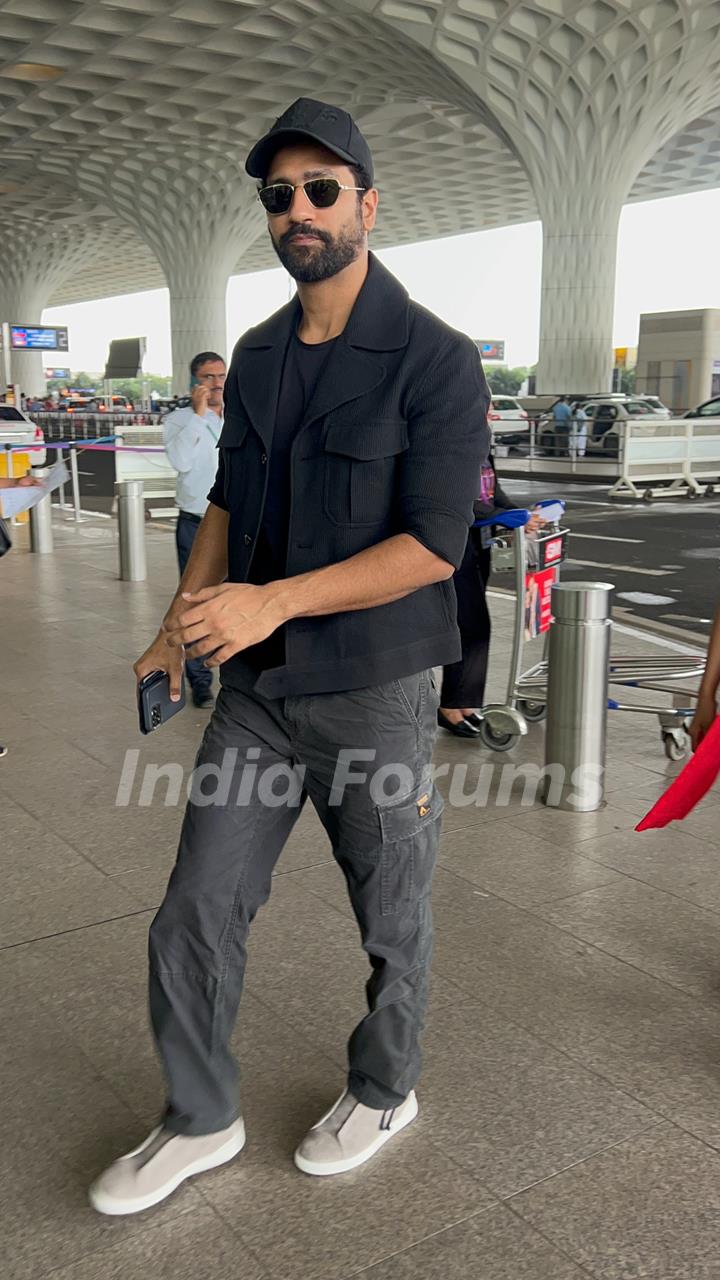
(350, 1134)
(157, 1167)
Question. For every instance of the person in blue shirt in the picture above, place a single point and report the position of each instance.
(562, 417)
(191, 434)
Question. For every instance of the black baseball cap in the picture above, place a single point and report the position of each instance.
(320, 122)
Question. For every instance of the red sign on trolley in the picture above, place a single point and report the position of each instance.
(538, 616)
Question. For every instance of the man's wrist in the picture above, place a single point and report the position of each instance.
(281, 601)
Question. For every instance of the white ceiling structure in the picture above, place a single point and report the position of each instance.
(124, 126)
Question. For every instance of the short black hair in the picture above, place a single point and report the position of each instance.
(362, 179)
(204, 358)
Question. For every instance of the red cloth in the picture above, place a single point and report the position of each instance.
(690, 786)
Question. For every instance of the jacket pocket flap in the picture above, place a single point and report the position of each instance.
(381, 438)
(233, 433)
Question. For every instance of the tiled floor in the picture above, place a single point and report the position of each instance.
(570, 1106)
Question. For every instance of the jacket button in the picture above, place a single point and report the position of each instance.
(263, 458)
(247, 539)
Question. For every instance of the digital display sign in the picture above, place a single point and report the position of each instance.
(490, 350)
(38, 338)
(57, 373)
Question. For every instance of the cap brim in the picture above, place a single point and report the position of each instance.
(258, 162)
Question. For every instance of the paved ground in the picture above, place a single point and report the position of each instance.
(663, 558)
(569, 1106)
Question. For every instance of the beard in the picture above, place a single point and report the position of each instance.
(308, 264)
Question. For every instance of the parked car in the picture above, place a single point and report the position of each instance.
(120, 404)
(604, 417)
(656, 405)
(509, 422)
(708, 409)
(17, 428)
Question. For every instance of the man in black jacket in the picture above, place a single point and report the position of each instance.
(320, 583)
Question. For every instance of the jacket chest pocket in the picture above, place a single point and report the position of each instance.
(360, 461)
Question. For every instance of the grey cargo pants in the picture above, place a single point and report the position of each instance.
(383, 825)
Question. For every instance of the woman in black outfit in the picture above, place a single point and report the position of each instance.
(463, 686)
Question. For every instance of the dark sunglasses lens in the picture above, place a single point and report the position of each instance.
(276, 199)
(322, 192)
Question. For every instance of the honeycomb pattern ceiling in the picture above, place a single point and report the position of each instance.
(146, 124)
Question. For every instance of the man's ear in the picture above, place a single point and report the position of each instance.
(369, 208)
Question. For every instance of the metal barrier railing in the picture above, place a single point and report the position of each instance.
(89, 426)
(104, 444)
(643, 457)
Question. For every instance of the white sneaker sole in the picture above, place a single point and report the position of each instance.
(108, 1205)
(324, 1169)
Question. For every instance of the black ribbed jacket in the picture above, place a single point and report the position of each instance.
(391, 442)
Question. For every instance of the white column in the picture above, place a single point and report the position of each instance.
(197, 310)
(23, 307)
(578, 293)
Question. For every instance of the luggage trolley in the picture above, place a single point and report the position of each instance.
(536, 564)
(504, 723)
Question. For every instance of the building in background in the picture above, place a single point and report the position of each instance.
(679, 357)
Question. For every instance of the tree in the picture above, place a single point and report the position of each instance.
(506, 382)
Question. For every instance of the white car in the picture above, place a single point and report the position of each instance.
(17, 429)
(509, 422)
(655, 406)
(603, 426)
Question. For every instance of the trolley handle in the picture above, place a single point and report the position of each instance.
(515, 518)
(551, 509)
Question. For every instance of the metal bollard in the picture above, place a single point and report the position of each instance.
(75, 482)
(41, 533)
(131, 528)
(579, 653)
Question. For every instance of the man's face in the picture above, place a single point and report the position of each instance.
(212, 375)
(315, 244)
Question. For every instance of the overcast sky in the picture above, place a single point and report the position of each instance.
(487, 284)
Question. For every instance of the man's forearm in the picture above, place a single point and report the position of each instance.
(207, 565)
(379, 575)
(711, 679)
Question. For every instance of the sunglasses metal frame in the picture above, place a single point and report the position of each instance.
(289, 186)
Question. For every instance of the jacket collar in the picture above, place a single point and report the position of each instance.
(379, 321)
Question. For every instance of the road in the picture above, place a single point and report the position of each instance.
(663, 559)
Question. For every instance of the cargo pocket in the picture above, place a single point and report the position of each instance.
(410, 832)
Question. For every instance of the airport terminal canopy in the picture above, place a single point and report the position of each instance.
(124, 126)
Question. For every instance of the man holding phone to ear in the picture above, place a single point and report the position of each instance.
(191, 434)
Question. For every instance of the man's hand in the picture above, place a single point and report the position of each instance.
(160, 657)
(27, 481)
(221, 621)
(705, 713)
(535, 523)
(199, 397)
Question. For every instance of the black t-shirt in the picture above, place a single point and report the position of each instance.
(303, 365)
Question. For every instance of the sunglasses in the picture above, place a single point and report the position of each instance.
(321, 192)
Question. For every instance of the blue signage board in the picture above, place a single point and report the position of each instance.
(38, 338)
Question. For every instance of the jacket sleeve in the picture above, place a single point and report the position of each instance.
(217, 493)
(449, 443)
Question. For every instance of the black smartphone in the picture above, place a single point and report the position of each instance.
(154, 705)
